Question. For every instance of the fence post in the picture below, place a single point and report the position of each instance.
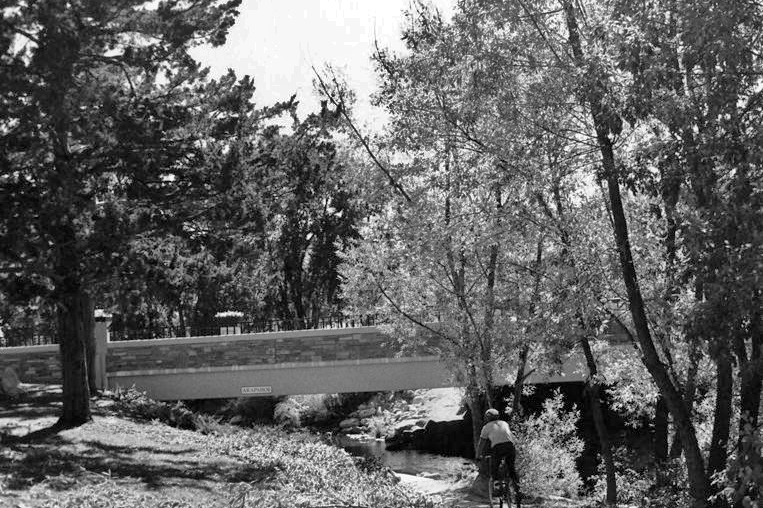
(102, 322)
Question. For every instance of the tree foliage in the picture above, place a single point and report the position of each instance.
(586, 117)
(105, 120)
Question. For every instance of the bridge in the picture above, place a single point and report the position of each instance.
(332, 360)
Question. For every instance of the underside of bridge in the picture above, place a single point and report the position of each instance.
(289, 379)
(295, 378)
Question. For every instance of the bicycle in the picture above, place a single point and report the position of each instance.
(499, 489)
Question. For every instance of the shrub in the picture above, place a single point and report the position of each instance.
(379, 427)
(547, 446)
(744, 474)
(207, 424)
(287, 413)
(251, 409)
(138, 405)
(664, 485)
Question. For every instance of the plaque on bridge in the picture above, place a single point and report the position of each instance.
(256, 390)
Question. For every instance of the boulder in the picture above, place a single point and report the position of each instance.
(349, 422)
(10, 382)
(404, 425)
(451, 437)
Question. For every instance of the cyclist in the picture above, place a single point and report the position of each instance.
(501, 446)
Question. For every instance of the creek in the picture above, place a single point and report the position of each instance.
(411, 462)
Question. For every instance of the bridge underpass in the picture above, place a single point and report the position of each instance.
(260, 364)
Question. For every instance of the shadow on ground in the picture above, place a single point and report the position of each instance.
(36, 450)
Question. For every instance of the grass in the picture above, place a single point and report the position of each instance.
(121, 460)
(118, 461)
(125, 462)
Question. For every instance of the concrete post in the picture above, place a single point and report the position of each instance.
(102, 323)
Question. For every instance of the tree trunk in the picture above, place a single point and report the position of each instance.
(519, 381)
(88, 327)
(593, 390)
(660, 437)
(716, 461)
(478, 404)
(750, 392)
(75, 310)
(750, 374)
(690, 389)
(698, 481)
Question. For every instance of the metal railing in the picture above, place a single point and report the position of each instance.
(35, 337)
(14, 337)
(259, 326)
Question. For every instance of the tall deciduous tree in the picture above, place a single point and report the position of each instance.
(683, 79)
(477, 242)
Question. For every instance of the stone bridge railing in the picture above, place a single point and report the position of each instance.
(41, 364)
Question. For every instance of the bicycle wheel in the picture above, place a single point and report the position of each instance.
(504, 496)
(491, 494)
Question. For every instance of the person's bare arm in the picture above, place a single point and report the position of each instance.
(481, 447)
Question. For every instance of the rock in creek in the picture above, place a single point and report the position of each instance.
(10, 382)
(349, 422)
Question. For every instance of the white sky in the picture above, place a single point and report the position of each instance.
(277, 41)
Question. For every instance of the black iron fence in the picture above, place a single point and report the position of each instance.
(13, 337)
(35, 337)
(260, 326)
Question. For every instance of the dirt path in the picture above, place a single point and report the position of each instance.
(451, 494)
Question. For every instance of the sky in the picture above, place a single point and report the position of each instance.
(278, 41)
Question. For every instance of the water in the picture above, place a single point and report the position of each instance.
(411, 462)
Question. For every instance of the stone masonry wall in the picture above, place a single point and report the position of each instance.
(41, 364)
(223, 352)
(34, 364)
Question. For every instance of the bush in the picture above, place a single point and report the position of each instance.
(744, 474)
(138, 405)
(207, 424)
(251, 409)
(547, 446)
(379, 427)
(664, 485)
(343, 403)
(287, 413)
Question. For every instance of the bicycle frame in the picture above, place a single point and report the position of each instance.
(503, 493)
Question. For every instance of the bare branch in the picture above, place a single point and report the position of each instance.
(339, 104)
